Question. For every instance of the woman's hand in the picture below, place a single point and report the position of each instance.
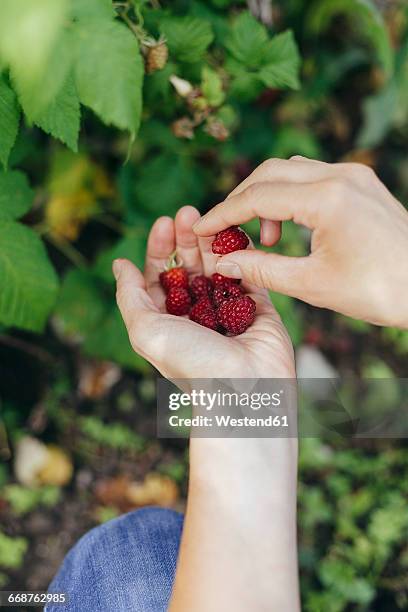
(359, 251)
(240, 524)
(178, 347)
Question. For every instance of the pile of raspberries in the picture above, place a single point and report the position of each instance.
(218, 302)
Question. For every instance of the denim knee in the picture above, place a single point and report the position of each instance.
(125, 564)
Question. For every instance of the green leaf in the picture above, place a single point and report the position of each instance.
(81, 304)
(16, 195)
(36, 96)
(164, 182)
(290, 315)
(92, 9)
(9, 120)
(366, 15)
(86, 312)
(110, 341)
(187, 37)
(247, 40)
(12, 551)
(282, 62)
(109, 73)
(211, 87)
(61, 118)
(25, 499)
(132, 247)
(246, 85)
(291, 140)
(29, 283)
(378, 113)
(29, 31)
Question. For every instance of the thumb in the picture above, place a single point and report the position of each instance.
(280, 273)
(133, 300)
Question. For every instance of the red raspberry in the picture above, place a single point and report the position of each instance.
(209, 319)
(236, 314)
(178, 301)
(200, 286)
(229, 240)
(225, 291)
(203, 313)
(218, 279)
(201, 306)
(175, 277)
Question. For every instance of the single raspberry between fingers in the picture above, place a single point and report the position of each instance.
(229, 240)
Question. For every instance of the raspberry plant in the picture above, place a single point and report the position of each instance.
(116, 112)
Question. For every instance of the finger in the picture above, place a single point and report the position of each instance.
(275, 201)
(289, 275)
(131, 295)
(282, 170)
(186, 241)
(270, 232)
(161, 243)
(251, 287)
(208, 258)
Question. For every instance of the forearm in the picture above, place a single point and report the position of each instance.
(239, 549)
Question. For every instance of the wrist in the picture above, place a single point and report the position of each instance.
(253, 465)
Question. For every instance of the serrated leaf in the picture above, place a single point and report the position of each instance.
(9, 120)
(36, 96)
(366, 15)
(282, 62)
(109, 73)
(29, 30)
(61, 118)
(247, 40)
(92, 9)
(16, 195)
(187, 37)
(29, 283)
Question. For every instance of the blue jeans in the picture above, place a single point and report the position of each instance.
(125, 564)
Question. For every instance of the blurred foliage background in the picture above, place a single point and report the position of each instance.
(112, 113)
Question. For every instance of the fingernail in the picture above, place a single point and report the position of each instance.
(116, 268)
(228, 268)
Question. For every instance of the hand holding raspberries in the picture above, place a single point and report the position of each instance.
(218, 303)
